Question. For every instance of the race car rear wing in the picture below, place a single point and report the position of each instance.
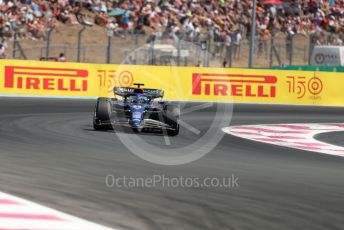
(154, 93)
(128, 91)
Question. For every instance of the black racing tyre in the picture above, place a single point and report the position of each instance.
(137, 130)
(102, 114)
(174, 131)
(171, 117)
(172, 110)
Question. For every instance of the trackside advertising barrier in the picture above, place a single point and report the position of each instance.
(180, 83)
(34, 78)
(242, 85)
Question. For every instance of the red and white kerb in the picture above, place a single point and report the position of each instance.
(20, 214)
(298, 136)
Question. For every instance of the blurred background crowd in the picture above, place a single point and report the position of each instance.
(228, 21)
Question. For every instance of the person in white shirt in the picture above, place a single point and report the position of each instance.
(236, 44)
(174, 32)
(189, 28)
(2, 51)
(195, 33)
(62, 58)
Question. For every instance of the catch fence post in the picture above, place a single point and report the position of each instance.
(79, 43)
(109, 47)
(47, 51)
(14, 45)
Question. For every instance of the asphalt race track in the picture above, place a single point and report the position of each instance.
(51, 155)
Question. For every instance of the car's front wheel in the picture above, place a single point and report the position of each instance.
(101, 120)
(171, 117)
(174, 131)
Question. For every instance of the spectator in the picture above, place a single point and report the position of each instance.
(152, 37)
(199, 64)
(224, 64)
(117, 31)
(228, 44)
(101, 19)
(62, 58)
(263, 42)
(191, 19)
(125, 21)
(2, 51)
(236, 43)
(218, 39)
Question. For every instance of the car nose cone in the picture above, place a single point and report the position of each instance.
(135, 122)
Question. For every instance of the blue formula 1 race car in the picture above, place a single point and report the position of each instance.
(137, 109)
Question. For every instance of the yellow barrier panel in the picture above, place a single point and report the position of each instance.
(241, 85)
(48, 78)
(328, 88)
(179, 83)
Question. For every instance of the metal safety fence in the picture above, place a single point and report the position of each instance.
(147, 49)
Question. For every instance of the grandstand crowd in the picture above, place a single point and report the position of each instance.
(31, 19)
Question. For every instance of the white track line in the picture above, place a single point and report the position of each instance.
(20, 214)
(298, 136)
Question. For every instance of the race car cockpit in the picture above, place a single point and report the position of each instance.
(137, 99)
